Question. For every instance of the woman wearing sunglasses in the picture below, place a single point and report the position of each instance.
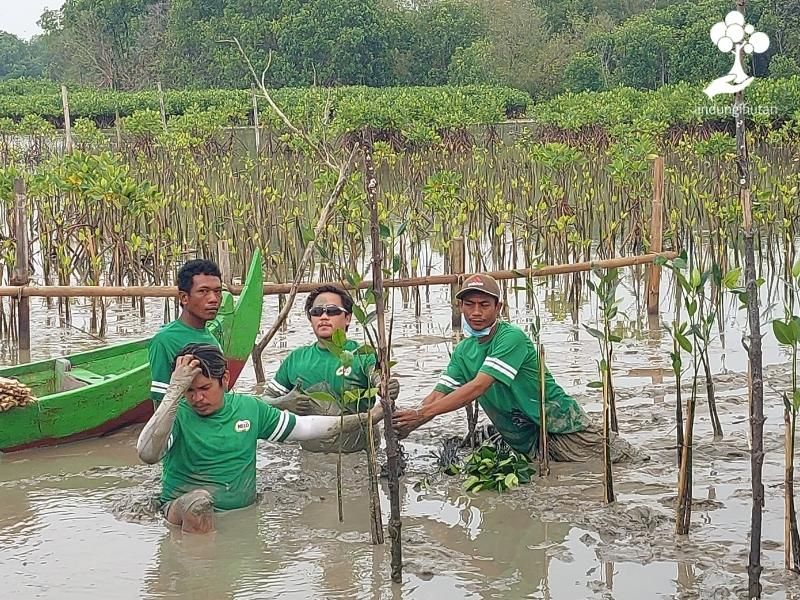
(313, 368)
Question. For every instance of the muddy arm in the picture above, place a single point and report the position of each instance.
(153, 441)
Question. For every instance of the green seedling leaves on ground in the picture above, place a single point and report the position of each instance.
(487, 468)
(595, 385)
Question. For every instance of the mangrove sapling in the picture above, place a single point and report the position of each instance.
(787, 332)
(701, 321)
(608, 303)
(392, 443)
(536, 334)
(352, 397)
(754, 343)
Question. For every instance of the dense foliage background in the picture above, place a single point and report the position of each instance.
(544, 47)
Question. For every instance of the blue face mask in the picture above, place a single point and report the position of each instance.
(473, 332)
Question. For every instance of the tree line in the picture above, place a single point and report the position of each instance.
(541, 46)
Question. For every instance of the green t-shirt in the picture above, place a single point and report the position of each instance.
(163, 349)
(312, 365)
(512, 402)
(218, 452)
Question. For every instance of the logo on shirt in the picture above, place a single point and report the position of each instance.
(344, 372)
(242, 426)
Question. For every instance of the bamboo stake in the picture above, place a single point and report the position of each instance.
(21, 275)
(392, 443)
(544, 457)
(225, 262)
(608, 480)
(656, 234)
(270, 289)
(457, 267)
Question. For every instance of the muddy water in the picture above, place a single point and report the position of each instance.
(77, 521)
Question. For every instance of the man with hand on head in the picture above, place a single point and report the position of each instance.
(497, 364)
(314, 368)
(207, 438)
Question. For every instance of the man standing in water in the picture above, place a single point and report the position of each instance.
(497, 364)
(208, 439)
(200, 295)
(314, 368)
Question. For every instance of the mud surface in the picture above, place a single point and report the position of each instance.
(80, 520)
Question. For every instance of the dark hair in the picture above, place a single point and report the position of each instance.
(347, 301)
(212, 361)
(198, 266)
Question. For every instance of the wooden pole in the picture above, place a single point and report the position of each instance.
(21, 276)
(457, 267)
(656, 234)
(162, 105)
(271, 289)
(225, 262)
(67, 121)
(392, 443)
(544, 453)
(256, 127)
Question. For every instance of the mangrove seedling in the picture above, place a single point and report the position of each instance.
(787, 332)
(606, 291)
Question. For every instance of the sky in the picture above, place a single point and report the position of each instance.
(19, 16)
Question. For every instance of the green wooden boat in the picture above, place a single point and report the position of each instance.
(93, 393)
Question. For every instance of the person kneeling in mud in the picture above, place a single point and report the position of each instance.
(314, 368)
(498, 365)
(207, 438)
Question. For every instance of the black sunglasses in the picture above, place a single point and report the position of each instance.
(331, 310)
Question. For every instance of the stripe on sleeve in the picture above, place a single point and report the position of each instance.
(500, 366)
(277, 387)
(449, 381)
(283, 421)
